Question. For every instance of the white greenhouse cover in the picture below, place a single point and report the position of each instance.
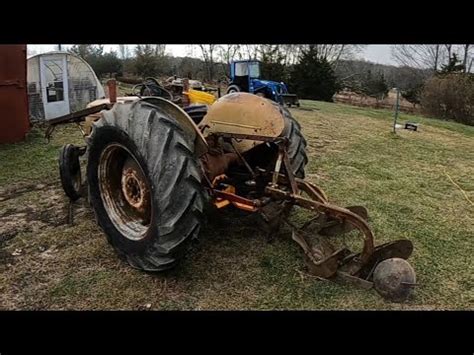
(60, 83)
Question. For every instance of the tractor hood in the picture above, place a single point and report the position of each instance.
(269, 82)
(274, 85)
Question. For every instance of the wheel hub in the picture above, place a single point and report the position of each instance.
(125, 191)
(134, 187)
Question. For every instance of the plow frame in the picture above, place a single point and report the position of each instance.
(342, 264)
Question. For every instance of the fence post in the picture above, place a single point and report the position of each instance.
(397, 105)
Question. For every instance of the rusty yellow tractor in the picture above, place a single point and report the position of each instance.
(153, 167)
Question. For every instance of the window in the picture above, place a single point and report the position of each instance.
(254, 70)
(55, 91)
(251, 69)
(241, 69)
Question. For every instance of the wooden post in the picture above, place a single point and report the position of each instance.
(112, 85)
(185, 99)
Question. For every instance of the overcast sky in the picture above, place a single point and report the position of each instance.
(377, 53)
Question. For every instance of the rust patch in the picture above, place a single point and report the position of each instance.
(135, 190)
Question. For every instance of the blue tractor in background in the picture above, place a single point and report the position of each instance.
(245, 77)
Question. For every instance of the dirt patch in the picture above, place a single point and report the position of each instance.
(14, 191)
(42, 205)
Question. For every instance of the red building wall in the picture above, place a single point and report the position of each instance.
(14, 122)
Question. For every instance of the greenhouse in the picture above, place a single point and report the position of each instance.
(60, 83)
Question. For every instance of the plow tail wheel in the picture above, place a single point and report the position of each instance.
(394, 279)
(145, 185)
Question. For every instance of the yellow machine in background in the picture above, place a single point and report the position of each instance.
(200, 97)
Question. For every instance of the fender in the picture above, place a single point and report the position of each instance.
(174, 110)
(244, 113)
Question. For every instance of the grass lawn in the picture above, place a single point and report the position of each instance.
(47, 264)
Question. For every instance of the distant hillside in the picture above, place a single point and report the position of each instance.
(349, 72)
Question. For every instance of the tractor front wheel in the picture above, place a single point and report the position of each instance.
(144, 185)
(233, 88)
(70, 171)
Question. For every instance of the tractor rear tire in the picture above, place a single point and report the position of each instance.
(196, 112)
(271, 224)
(145, 185)
(297, 147)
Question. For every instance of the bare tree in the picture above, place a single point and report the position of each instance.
(190, 48)
(290, 53)
(449, 49)
(463, 51)
(250, 51)
(208, 52)
(420, 56)
(468, 51)
(436, 57)
(228, 52)
(430, 56)
(270, 53)
(123, 50)
(334, 53)
(159, 49)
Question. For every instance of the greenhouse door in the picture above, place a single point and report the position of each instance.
(54, 85)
